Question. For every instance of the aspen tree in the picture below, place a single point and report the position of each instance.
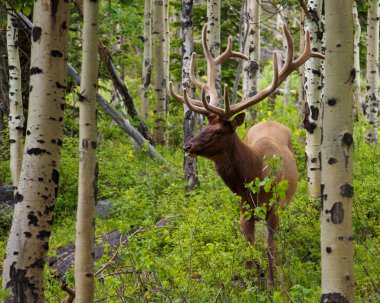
(189, 163)
(16, 115)
(371, 107)
(251, 67)
(313, 98)
(357, 88)
(337, 155)
(147, 61)
(158, 39)
(88, 168)
(38, 185)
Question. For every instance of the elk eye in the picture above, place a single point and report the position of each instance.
(218, 132)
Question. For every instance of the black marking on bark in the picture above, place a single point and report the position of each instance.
(45, 246)
(352, 76)
(59, 85)
(81, 97)
(334, 297)
(56, 191)
(18, 197)
(33, 220)
(95, 182)
(332, 161)
(89, 274)
(347, 139)
(43, 234)
(40, 179)
(48, 209)
(85, 143)
(347, 190)
(56, 53)
(41, 141)
(54, 8)
(316, 72)
(35, 70)
(64, 25)
(36, 33)
(314, 160)
(28, 132)
(337, 213)
(93, 144)
(340, 238)
(36, 151)
(323, 197)
(45, 197)
(328, 249)
(331, 101)
(338, 45)
(55, 176)
(59, 142)
(53, 141)
(12, 141)
(62, 106)
(21, 286)
(350, 238)
(39, 263)
(15, 253)
(314, 112)
(27, 234)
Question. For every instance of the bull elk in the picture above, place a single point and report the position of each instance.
(238, 162)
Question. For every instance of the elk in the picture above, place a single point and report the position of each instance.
(238, 162)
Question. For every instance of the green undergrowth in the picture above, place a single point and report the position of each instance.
(188, 247)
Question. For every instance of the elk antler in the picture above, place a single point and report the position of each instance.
(205, 108)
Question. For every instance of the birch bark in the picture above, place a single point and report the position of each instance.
(313, 84)
(16, 115)
(158, 40)
(88, 169)
(147, 61)
(251, 67)
(357, 88)
(337, 156)
(38, 186)
(372, 74)
(189, 163)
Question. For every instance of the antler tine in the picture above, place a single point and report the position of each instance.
(290, 64)
(229, 53)
(194, 108)
(182, 99)
(289, 51)
(227, 108)
(259, 96)
(193, 77)
(211, 108)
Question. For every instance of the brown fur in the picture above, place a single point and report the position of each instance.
(239, 163)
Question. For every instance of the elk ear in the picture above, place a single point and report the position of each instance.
(238, 120)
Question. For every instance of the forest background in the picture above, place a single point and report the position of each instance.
(176, 244)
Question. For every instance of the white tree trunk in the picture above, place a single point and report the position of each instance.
(213, 38)
(301, 70)
(147, 61)
(337, 156)
(88, 169)
(38, 187)
(158, 37)
(189, 163)
(372, 75)
(357, 88)
(251, 67)
(313, 109)
(16, 115)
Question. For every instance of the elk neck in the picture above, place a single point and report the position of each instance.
(237, 164)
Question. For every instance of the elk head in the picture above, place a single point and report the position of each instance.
(220, 123)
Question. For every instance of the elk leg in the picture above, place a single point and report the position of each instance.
(272, 225)
(248, 228)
